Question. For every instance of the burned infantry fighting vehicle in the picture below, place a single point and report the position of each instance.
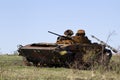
(68, 51)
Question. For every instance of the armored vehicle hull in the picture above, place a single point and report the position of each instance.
(64, 55)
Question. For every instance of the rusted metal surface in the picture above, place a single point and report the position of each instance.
(66, 52)
(61, 55)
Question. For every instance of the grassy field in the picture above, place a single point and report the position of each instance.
(12, 68)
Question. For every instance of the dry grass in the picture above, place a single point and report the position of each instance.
(12, 68)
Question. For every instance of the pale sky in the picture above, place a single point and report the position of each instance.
(28, 21)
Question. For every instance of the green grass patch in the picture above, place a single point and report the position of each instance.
(12, 68)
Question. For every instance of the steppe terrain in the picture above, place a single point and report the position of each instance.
(12, 68)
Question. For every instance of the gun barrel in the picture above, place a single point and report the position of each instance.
(54, 33)
(70, 38)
